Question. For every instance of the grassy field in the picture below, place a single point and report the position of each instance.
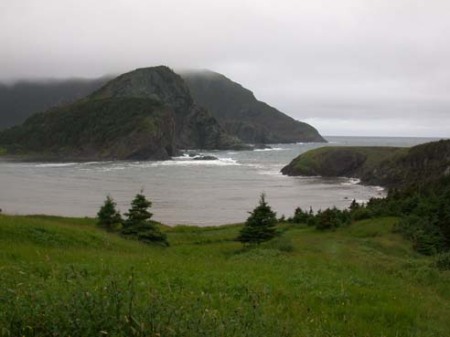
(65, 277)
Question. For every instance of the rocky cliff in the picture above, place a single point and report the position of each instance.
(242, 115)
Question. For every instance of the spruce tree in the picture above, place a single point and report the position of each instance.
(138, 223)
(260, 225)
(108, 216)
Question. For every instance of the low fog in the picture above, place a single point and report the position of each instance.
(349, 67)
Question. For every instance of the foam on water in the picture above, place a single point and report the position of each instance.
(271, 149)
(49, 165)
(351, 181)
(183, 161)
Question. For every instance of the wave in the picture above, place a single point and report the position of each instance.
(183, 156)
(270, 170)
(182, 161)
(271, 149)
(56, 165)
(351, 182)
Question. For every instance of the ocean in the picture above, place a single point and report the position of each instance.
(183, 190)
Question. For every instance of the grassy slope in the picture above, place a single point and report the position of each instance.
(65, 277)
(335, 160)
(385, 166)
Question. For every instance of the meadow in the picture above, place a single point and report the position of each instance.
(66, 277)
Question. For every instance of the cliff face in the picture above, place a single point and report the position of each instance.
(145, 114)
(242, 115)
(385, 166)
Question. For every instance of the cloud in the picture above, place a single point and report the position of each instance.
(292, 54)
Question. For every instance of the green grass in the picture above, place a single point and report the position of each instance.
(325, 160)
(65, 277)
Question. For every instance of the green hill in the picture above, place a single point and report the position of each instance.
(113, 128)
(144, 114)
(385, 166)
(233, 106)
(65, 277)
(242, 115)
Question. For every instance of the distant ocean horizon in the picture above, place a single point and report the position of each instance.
(187, 191)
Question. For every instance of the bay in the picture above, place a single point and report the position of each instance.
(183, 190)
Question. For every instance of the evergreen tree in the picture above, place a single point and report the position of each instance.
(108, 216)
(260, 225)
(300, 216)
(139, 225)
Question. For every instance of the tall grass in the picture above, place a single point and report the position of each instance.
(64, 277)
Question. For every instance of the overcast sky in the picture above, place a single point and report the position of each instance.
(348, 67)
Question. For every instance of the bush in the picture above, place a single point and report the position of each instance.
(426, 237)
(301, 216)
(361, 213)
(331, 218)
(443, 261)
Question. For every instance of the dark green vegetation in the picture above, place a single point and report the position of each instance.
(424, 216)
(20, 100)
(110, 128)
(167, 117)
(260, 225)
(419, 182)
(242, 115)
(386, 166)
(108, 217)
(67, 277)
(138, 225)
(424, 212)
(333, 161)
(145, 114)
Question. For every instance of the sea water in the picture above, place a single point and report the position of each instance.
(184, 190)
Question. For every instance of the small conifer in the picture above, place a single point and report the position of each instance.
(260, 225)
(108, 217)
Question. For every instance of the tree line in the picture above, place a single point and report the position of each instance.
(423, 212)
(136, 224)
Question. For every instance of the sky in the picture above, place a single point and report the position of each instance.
(348, 67)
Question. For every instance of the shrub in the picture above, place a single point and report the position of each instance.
(331, 218)
(426, 237)
(443, 261)
(301, 216)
